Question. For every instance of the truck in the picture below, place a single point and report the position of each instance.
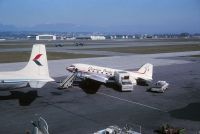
(122, 78)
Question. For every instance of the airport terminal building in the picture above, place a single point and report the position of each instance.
(45, 37)
(97, 37)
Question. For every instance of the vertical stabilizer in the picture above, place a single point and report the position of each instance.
(147, 70)
(37, 67)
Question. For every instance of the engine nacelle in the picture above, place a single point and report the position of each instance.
(89, 86)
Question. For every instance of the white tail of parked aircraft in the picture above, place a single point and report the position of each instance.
(35, 73)
(146, 70)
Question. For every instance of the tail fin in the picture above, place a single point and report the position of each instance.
(147, 70)
(37, 67)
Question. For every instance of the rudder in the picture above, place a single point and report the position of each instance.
(147, 70)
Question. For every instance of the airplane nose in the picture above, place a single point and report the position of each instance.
(70, 69)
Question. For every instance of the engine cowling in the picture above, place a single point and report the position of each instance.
(90, 86)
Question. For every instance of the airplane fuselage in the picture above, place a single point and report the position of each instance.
(108, 72)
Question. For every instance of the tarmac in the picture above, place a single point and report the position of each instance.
(128, 62)
(72, 111)
(69, 46)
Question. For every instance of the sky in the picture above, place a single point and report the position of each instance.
(159, 16)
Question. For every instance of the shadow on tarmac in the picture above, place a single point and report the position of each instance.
(190, 112)
(25, 99)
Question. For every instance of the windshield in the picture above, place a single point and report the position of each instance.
(126, 83)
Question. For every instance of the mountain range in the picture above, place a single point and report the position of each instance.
(125, 29)
(58, 27)
(68, 27)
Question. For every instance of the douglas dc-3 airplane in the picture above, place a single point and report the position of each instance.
(35, 74)
(93, 76)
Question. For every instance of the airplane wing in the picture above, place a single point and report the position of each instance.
(99, 78)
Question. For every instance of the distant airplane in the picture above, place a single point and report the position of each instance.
(93, 76)
(35, 74)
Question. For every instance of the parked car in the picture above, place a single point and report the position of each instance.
(159, 87)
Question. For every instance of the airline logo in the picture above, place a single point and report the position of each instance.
(37, 57)
(146, 70)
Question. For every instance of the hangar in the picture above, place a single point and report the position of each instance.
(45, 37)
(97, 37)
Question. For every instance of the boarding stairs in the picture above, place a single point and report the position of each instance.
(68, 82)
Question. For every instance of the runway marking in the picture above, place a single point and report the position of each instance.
(132, 102)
